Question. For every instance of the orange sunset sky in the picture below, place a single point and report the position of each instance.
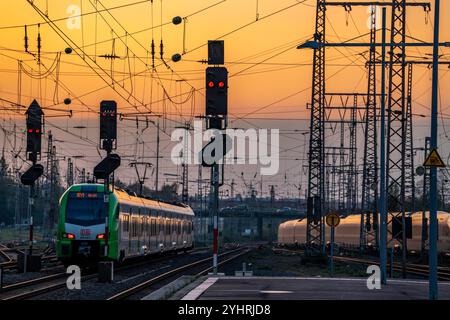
(269, 78)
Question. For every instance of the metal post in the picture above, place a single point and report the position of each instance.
(392, 262)
(331, 250)
(30, 219)
(157, 157)
(106, 233)
(215, 184)
(425, 204)
(383, 213)
(433, 287)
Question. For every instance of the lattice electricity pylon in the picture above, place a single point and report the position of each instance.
(314, 217)
(348, 177)
(352, 189)
(343, 181)
(369, 192)
(396, 146)
(69, 176)
(410, 188)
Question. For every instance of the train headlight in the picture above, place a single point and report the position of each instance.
(101, 236)
(68, 236)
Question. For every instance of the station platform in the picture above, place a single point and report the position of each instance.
(304, 288)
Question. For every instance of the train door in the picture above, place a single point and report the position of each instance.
(147, 231)
(154, 240)
(138, 231)
(179, 234)
(134, 237)
(161, 230)
(191, 231)
(173, 232)
(184, 233)
(167, 232)
(125, 235)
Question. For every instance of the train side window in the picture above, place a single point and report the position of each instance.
(153, 227)
(126, 223)
(134, 227)
(167, 226)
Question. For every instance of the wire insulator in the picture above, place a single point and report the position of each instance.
(26, 39)
(153, 53)
(39, 43)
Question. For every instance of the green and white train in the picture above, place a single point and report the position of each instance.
(136, 226)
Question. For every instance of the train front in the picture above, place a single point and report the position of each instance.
(83, 212)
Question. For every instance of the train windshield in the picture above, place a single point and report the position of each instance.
(85, 208)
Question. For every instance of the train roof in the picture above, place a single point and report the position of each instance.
(356, 218)
(129, 198)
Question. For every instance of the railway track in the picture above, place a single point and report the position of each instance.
(412, 269)
(12, 264)
(175, 273)
(35, 287)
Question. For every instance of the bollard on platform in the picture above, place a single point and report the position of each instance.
(105, 271)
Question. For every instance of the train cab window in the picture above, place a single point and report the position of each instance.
(84, 208)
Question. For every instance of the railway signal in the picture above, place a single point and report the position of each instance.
(216, 84)
(32, 174)
(216, 91)
(208, 153)
(34, 120)
(34, 115)
(108, 124)
(107, 166)
(216, 52)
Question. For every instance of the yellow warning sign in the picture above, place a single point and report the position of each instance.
(434, 160)
(332, 220)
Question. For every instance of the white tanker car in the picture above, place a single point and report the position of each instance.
(293, 232)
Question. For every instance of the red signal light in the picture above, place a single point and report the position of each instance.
(221, 84)
(211, 84)
(30, 130)
(37, 130)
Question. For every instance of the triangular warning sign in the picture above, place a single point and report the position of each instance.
(434, 160)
